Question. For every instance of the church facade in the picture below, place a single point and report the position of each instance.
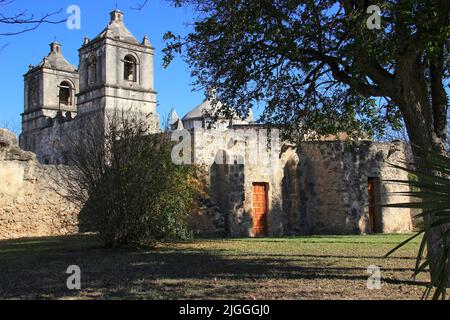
(318, 187)
(115, 73)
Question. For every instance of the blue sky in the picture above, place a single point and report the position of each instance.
(173, 84)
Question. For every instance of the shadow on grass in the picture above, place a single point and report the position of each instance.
(36, 269)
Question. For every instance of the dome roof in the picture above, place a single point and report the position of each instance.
(205, 109)
(117, 30)
(55, 59)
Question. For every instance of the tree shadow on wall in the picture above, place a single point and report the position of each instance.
(227, 191)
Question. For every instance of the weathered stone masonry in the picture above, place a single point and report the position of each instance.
(115, 75)
(332, 194)
(318, 188)
(29, 203)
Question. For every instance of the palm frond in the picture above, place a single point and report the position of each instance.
(430, 187)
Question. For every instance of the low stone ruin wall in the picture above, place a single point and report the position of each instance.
(30, 202)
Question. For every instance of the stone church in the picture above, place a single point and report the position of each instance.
(115, 72)
(318, 187)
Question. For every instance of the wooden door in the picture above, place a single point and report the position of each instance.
(259, 209)
(372, 212)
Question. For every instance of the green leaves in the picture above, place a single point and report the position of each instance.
(305, 63)
(173, 46)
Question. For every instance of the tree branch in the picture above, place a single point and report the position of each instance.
(29, 21)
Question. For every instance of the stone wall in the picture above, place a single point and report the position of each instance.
(245, 156)
(332, 193)
(30, 204)
(318, 188)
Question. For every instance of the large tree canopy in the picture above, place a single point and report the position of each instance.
(316, 63)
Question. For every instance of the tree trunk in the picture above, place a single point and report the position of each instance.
(420, 116)
(435, 234)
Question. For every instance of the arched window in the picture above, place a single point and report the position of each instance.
(92, 70)
(33, 94)
(130, 68)
(65, 93)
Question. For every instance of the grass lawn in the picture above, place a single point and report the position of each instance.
(328, 267)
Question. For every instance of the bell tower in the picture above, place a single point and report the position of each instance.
(50, 90)
(117, 74)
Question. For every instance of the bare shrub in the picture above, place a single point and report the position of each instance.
(131, 190)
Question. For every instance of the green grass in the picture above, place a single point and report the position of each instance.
(317, 267)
